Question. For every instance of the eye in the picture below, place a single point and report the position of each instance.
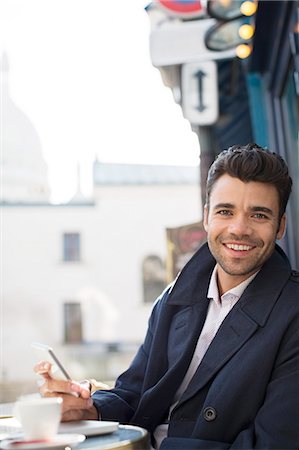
(260, 216)
(224, 212)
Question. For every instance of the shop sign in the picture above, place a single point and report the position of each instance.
(183, 8)
(200, 92)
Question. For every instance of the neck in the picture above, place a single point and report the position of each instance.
(226, 282)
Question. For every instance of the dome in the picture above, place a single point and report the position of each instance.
(23, 169)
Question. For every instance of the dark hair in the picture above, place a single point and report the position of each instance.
(252, 163)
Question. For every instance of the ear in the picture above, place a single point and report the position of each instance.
(282, 227)
(205, 217)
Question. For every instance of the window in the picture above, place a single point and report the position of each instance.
(153, 272)
(71, 247)
(290, 145)
(72, 322)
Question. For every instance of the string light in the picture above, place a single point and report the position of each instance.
(243, 51)
(246, 31)
(248, 8)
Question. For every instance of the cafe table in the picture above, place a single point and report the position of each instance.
(127, 437)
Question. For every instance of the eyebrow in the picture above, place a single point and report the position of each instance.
(224, 205)
(253, 208)
(262, 209)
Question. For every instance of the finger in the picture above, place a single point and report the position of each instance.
(65, 387)
(79, 403)
(61, 386)
(76, 414)
(43, 367)
(70, 402)
(82, 388)
(49, 386)
(72, 408)
(43, 388)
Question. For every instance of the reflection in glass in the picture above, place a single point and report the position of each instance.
(224, 9)
(153, 272)
(225, 35)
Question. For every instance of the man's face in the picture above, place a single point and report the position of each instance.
(242, 223)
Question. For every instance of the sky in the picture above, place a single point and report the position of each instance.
(81, 71)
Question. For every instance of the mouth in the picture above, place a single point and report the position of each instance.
(239, 251)
(239, 247)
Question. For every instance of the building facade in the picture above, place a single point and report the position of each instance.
(73, 274)
(81, 276)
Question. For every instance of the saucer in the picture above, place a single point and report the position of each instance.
(59, 442)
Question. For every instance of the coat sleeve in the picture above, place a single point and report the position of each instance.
(120, 403)
(276, 424)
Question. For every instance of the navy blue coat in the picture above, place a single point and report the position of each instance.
(245, 392)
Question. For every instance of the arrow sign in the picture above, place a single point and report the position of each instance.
(199, 76)
(200, 92)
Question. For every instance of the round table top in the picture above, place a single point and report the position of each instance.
(127, 437)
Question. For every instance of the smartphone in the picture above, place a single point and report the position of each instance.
(46, 353)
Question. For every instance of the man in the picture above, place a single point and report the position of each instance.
(219, 365)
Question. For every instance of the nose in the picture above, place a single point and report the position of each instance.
(240, 226)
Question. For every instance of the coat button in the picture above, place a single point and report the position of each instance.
(209, 414)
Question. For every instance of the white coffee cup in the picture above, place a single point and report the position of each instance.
(39, 417)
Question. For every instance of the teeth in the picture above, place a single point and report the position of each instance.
(238, 247)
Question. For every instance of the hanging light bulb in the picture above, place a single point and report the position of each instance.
(243, 51)
(246, 31)
(248, 8)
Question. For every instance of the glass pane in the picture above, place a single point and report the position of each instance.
(153, 278)
(72, 322)
(290, 111)
(225, 35)
(224, 9)
(71, 247)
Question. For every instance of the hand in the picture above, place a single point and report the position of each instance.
(77, 403)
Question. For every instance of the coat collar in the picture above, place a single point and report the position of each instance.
(261, 295)
(192, 283)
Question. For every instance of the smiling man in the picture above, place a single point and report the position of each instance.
(243, 220)
(219, 365)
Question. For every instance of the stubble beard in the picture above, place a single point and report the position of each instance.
(240, 266)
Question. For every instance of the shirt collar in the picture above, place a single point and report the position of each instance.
(236, 292)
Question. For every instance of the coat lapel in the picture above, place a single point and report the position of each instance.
(233, 333)
(188, 299)
(189, 294)
(184, 334)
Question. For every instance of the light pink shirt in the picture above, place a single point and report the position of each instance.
(217, 311)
